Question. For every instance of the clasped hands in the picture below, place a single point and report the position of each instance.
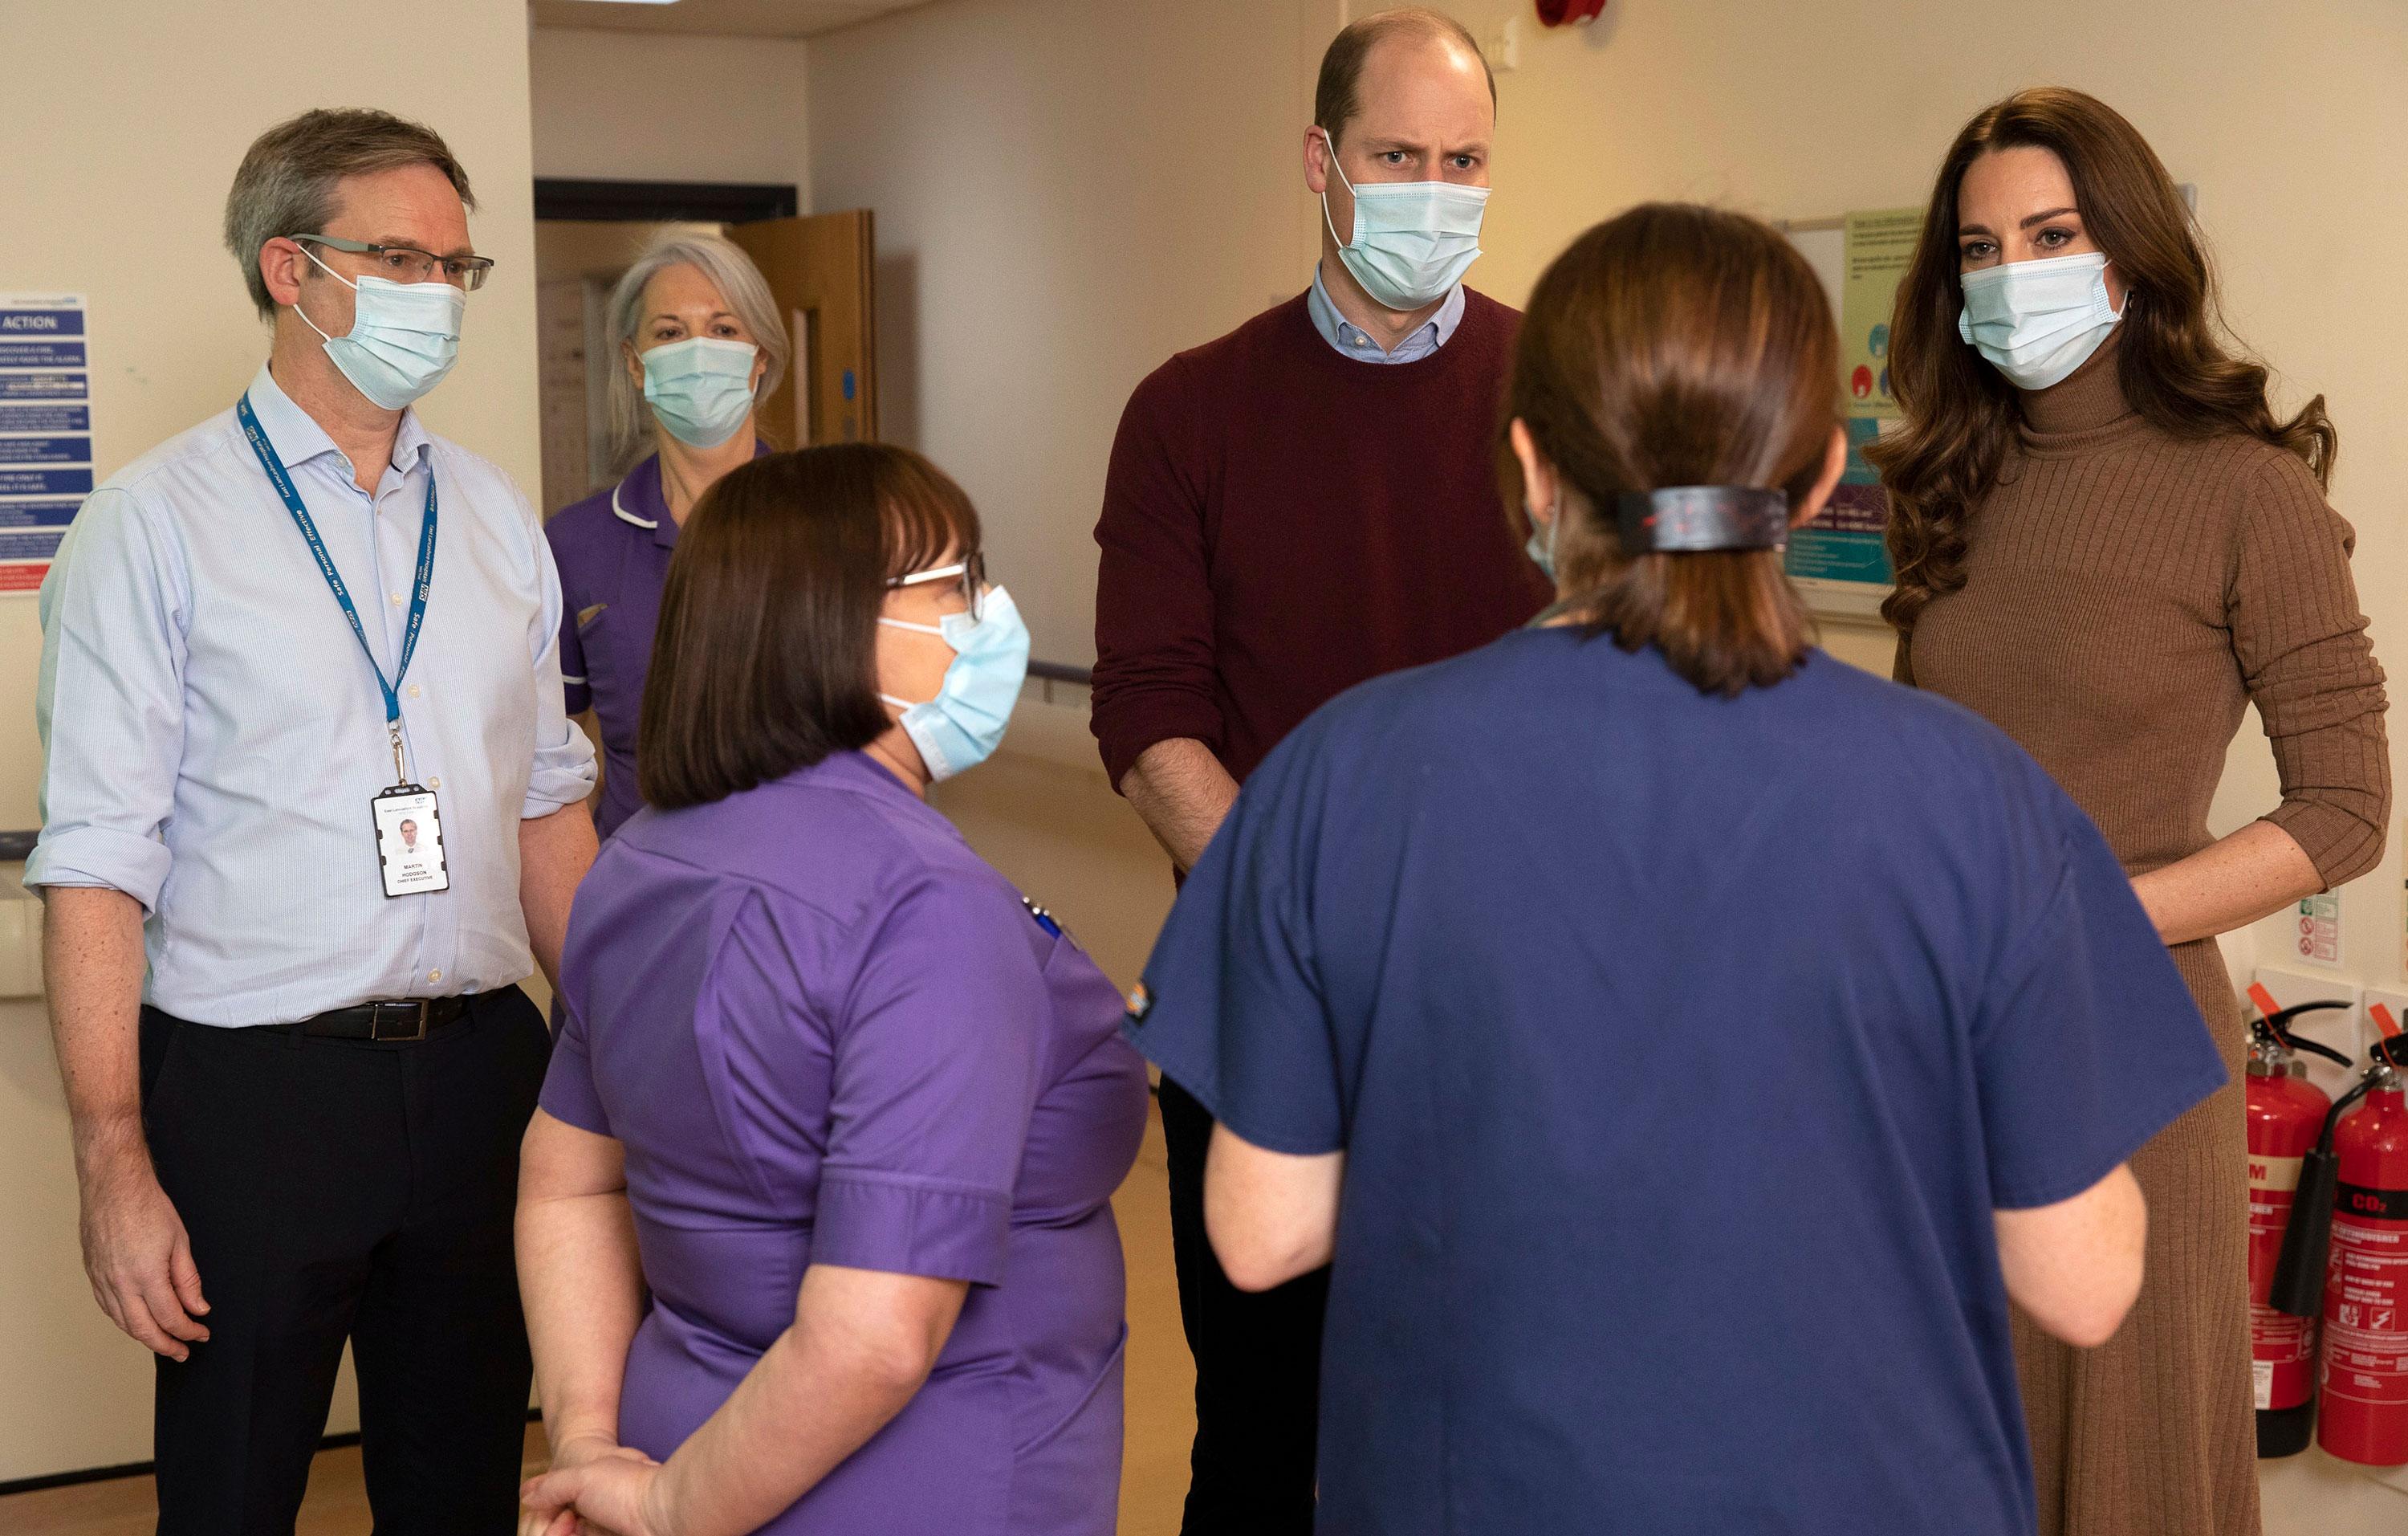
(596, 1488)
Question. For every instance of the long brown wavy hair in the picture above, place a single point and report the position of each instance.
(2176, 363)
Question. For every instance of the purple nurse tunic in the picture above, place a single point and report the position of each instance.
(613, 552)
(827, 1032)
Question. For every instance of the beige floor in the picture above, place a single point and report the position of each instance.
(1161, 1414)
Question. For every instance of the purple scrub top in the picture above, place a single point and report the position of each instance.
(614, 551)
(826, 1031)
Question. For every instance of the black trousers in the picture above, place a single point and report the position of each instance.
(1257, 1363)
(343, 1190)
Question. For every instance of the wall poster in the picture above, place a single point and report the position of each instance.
(1841, 561)
(45, 430)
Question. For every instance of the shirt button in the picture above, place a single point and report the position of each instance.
(413, 690)
(436, 783)
(435, 975)
(395, 597)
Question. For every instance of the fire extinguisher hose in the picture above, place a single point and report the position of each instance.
(2298, 1286)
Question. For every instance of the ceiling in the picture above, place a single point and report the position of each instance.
(723, 18)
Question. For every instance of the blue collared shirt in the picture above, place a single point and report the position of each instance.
(212, 735)
(1359, 344)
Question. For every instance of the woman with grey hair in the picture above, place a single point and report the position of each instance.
(699, 343)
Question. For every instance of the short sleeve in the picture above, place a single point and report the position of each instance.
(935, 1070)
(569, 1092)
(2088, 1042)
(1234, 1010)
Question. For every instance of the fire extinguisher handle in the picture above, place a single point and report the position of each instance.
(2298, 1286)
(2279, 1025)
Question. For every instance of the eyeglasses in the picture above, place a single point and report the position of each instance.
(968, 577)
(404, 263)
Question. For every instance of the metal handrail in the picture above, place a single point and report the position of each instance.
(1061, 671)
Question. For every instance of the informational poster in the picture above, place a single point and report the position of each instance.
(1842, 556)
(1879, 246)
(2319, 929)
(45, 430)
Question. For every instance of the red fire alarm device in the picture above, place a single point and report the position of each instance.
(1557, 13)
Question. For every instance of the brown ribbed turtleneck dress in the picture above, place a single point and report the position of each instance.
(2127, 592)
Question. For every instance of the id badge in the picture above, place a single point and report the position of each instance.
(409, 841)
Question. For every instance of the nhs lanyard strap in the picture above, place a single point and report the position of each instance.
(425, 579)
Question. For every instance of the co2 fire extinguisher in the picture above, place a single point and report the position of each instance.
(2355, 1178)
(2287, 1113)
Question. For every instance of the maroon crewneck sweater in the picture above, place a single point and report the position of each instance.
(1282, 522)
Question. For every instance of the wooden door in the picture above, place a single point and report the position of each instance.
(821, 269)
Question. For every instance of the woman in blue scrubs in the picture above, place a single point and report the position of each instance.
(1682, 1044)
(699, 343)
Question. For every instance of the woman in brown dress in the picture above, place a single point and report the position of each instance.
(2108, 543)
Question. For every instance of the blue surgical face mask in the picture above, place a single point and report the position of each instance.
(961, 726)
(2036, 322)
(1414, 240)
(403, 337)
(700, 389)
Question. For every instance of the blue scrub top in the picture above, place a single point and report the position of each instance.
(1680, 1048)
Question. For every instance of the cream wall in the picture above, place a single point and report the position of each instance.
(661, 106)
(125, 123)
(1069, 190)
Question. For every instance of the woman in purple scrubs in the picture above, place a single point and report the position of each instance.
(814, 1225)
(699, 343)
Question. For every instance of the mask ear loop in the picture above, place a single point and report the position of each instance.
(1330, 146)
(330, 272)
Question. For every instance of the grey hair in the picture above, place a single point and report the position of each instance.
(739, 283)
(286, 183)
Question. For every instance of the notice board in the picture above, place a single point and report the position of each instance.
(1841, 562)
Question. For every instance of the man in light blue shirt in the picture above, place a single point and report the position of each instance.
(298, 1077)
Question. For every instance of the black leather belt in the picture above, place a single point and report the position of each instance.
(413, 1019)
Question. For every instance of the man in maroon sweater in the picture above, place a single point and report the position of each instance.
(1302, 505)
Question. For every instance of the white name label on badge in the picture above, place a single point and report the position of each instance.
(409, 841)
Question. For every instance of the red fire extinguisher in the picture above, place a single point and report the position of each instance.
(2361, 1291)
(2287, 1113)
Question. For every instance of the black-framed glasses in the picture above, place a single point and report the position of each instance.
(407, 263)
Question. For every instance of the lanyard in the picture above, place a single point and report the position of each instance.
(425, 580)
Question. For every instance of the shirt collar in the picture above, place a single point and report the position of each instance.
(638, 500)
(299, 439)
(1353, 341)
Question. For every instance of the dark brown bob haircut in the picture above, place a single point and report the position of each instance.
(1678, 345)
(766, 657)
(2175, 362)
(1336, 97)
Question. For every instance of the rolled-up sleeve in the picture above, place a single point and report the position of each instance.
(1154, 676)
(110, 701)
(577, 692)
(564, 771)
(934, 1085)
(2301, 642)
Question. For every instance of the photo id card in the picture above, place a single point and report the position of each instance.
(409, 841)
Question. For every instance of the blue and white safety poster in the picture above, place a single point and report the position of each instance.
(45, 430)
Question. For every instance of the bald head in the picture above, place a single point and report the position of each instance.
(1407, 47)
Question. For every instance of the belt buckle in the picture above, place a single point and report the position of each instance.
(376, 1021)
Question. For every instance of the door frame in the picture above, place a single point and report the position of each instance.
(662, 202)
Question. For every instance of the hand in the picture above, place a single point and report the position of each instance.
(139, 1260)
(607, 1485)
